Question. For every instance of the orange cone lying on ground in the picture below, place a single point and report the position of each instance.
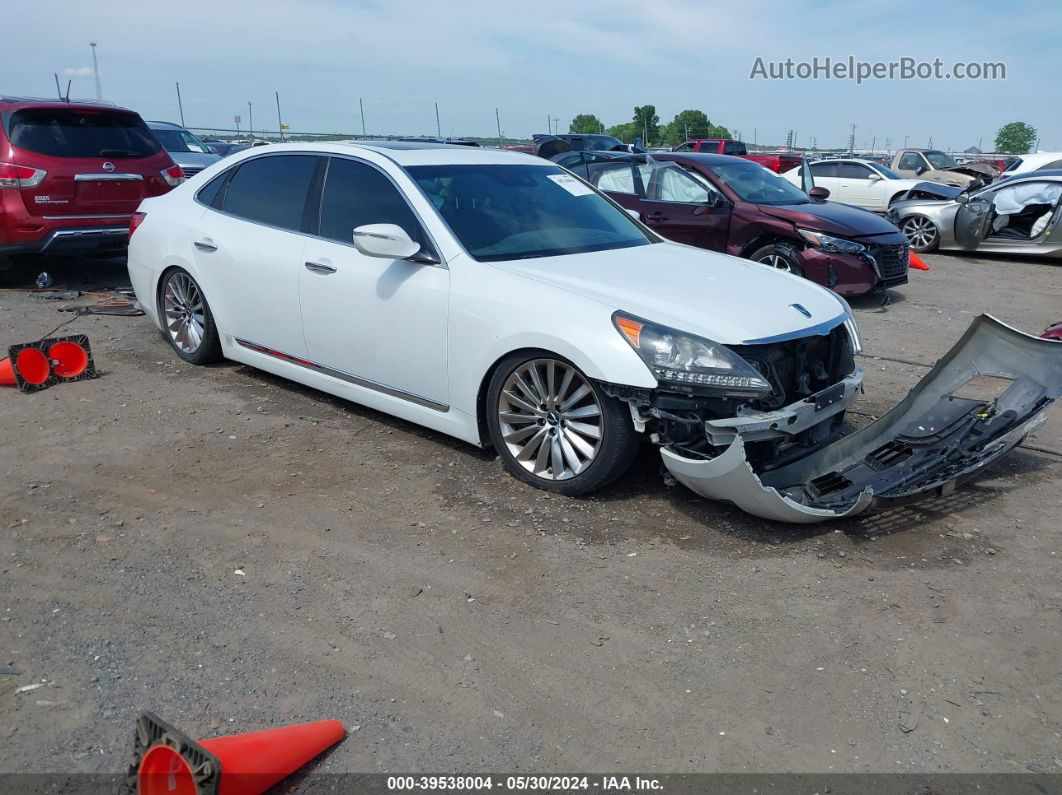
(168, 762)
(26, 367)
(917, 262)
(70, 357)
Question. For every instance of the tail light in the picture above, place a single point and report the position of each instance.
(173, 175)
(136, 220)
(15, 176)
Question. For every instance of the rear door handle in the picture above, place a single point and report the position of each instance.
(319, 267)
(206, 244)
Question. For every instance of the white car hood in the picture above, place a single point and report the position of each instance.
(726, 299)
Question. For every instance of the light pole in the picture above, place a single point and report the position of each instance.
(96, 72)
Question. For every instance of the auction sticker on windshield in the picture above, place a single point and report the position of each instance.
(571, 184)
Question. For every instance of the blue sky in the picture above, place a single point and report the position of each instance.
(532, 60)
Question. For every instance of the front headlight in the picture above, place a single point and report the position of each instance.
(851, 327)
(838, 245)
(678, 358)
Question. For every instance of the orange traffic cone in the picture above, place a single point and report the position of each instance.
(168, 762)
(917, 262)
(26, 367)
(70, 357)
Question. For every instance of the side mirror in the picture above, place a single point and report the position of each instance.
(388, 241)
(921, 170)
(822, 194)
(637, 216)
(875, 176)
(716, 200)
(962, 198)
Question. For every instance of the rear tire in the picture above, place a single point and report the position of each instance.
(188, 324)
(554, 428)
(780, 257)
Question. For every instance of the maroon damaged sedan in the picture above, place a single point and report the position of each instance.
(736, 206)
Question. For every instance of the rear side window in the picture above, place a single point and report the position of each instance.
(80, 132)
(271, 190)
(356, 194)
(734, 148)
(824, 169)
(209, 193)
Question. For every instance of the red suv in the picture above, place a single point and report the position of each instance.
(72, 174)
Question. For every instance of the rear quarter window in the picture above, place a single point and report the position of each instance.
(80, 132)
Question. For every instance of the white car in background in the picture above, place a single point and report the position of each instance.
(497, 298)
(865, 184)
(1040, 161)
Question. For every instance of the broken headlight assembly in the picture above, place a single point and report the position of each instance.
(833, 245)
(677, 358)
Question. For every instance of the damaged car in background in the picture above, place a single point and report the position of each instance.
(1016, 215)
(497, 298)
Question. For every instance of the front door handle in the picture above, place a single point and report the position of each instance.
(319, 267)
(656, 217)
(206, 244)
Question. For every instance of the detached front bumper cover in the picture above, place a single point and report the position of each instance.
(932, 440)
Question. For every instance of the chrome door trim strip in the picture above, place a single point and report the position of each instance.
(350, 379)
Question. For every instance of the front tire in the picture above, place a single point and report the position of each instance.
(921, 233)
(554, 428)
(782, 258)
(187, 320)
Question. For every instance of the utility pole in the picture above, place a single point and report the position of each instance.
(753, 136)
(930, 142)
(438, 127)
(250, 121)
(180, 107)
(497, 119)
(96, 72)
(905, 141)
(280, 121)
(888, 145)
(362, 106)
(789, 141)
(873, 143)
(851, 141)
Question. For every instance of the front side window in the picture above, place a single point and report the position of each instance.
(80, 132)
(356, 194)
(885, 171)
(271, 190)
(754, 183)
(854, 171)
(675, 185)
(506, 212)
(911, 161)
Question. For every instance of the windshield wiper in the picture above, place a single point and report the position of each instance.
(120, 153)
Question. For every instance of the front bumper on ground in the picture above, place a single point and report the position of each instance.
(932, 440)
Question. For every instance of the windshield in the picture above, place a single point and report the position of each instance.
(754, 183)
(180, 141)
(502, 212)
(885, 171)
(939, 159)
(80, 132)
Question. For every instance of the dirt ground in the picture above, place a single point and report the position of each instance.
(233, 552)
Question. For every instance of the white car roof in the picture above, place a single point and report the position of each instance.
(411, 153)
(1038, 159)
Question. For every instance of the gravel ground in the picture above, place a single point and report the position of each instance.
(235, 552)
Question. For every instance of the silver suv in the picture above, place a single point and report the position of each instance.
(187, 151)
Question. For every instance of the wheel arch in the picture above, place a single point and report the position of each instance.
(484, 385)
(766, 239)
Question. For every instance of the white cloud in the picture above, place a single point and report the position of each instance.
(78, 71)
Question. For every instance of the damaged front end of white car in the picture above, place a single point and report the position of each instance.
(760, 425)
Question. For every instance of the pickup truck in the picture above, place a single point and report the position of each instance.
(936, 166)
(777, 162)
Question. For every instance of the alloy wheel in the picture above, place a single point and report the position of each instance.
(777, 261)
(550, 419)
(920, 231)
(182, 303)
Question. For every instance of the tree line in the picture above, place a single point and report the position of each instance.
(646, 125)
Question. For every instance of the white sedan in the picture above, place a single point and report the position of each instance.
(862, 183)
(494, 297)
